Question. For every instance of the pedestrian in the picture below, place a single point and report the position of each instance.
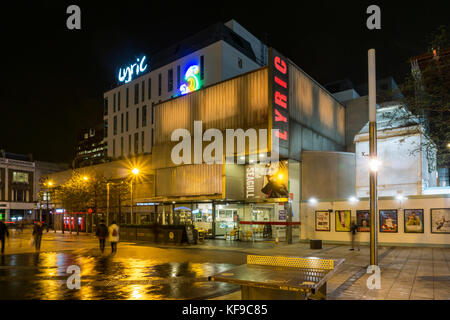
(113, 236)
(3, 234)
(37, 234)
(353, 230)
(102, 233)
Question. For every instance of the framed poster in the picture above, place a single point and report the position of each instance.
(322, 221)
(440, 220)
(363, 220)
(388, 221)
(342, 222)
(413, 220)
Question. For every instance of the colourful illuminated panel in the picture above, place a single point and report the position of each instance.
(192, 81)
(126, 74)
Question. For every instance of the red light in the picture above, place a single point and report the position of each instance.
(280, 65)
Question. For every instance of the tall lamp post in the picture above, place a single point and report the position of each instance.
(135, 173)
(374, 163)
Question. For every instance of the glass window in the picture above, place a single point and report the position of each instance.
(127, 122)
(114, 102)
(202, 67)
(105, 128)
(121, 123)
(178, 77)
(136, 143)
(149, 88)
(142, 142)
(127, 97)
(136, 93)
(129, 144)
(114, 148)
(20, 177)
(143, 91)
(121, 146)
(137, 118)
(170, 80)
(115, 125)
(144, 116)
(118, 101)
(159, 84)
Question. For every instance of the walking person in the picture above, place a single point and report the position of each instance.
(113, 236)
(353, 230)
(102, 233)
(37, 234)
(3, 234)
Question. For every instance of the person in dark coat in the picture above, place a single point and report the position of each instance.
(353, 230)
(37, 233)
(3, 234)
(102, 233)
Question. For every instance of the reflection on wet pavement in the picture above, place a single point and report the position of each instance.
(43, 276)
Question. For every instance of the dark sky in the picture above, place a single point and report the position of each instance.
(53, 78)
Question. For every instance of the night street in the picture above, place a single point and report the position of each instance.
(141, 270)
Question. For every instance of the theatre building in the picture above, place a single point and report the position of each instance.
(247, 194)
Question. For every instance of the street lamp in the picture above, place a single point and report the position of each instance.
(135, 173)
(374, 164)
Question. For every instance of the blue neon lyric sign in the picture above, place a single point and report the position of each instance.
(126, 75)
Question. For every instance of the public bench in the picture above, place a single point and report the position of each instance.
(281, 278)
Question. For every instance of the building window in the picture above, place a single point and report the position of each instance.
(202, 67)
(142, 142)
(121, 146)
(143, 91)
(121, 123)
(240, 62)
(127, 97)
(137, 118)
(127, 122)
(115, 125)
(105, 128)
(105, 106)
(159, 84)
(114, 102)
(136, 93)
(178, 77)
(136, 143)
(153, 114)
(114, 148)
(144, 116)
(149, 89)
(153, 137)
(118, 101)
(169, 80)
(129, 144)
(20, 177)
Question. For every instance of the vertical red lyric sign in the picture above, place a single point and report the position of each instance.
(279, 99)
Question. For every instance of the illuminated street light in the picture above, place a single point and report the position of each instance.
(280, 176)
(135, 171)
(353, 199)
(448, 145)
(85, 178)
(312, 201)
(401, 197)
(374, 164)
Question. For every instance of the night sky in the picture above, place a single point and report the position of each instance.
(53, 78)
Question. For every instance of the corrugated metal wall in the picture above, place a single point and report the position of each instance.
(189, 180)
(237, 103)
(314, 108)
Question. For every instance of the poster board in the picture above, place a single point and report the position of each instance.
(440, 220)
(413, 222)
(342, 221)
(388, 221)
(322, 221)
(363, 220)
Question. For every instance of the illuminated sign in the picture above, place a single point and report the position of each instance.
(279, 82)
(126, 74)
(147, 204)
(192, 81)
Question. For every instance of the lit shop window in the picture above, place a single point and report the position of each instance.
(20, 177)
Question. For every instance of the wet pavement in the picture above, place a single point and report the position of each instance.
(135, 272)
